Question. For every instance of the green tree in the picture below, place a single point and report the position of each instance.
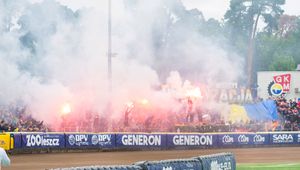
(283, 63)
(243, 17)
(265, 49)
(270, 49)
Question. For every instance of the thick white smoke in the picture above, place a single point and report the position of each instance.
(50, 54)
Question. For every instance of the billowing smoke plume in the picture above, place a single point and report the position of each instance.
(51, 54)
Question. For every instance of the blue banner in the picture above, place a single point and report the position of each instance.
(90, 140)
(192, 140)
(243, 139)
(141, 140)
(260, 139)
(283, 138)
(43, 140)
(265, 110)
(297, 136)
(148, 140)
(17, 140)
(227, 140)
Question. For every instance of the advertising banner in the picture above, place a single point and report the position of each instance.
(283, 138)
(141, 140)
(43, 140)
(297, 135)
(243, 139)
(5, 141)
(77, 140)
(192, 140)
(17, 140)
(227, 140)
(260, 139)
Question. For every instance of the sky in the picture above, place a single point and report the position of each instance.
(210, 8)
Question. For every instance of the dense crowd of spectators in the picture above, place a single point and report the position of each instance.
(18, 119)
(289, 112)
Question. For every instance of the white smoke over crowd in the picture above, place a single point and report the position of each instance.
(50, 55)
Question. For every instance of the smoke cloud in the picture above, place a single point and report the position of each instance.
(51, 54)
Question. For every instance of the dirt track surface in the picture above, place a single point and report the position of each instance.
(55, 160)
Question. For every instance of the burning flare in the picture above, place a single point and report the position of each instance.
(194, 93)
(66, 109)
(144, 101)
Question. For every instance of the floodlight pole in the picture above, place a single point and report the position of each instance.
(109, 64)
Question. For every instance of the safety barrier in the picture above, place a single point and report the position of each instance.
(221, 161)
(114, 167)
(218, 161)
(14, 141)
(171, 164)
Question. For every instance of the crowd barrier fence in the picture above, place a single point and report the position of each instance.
(23, 140)
(221, 161)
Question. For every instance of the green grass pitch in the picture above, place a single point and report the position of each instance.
(274, 166)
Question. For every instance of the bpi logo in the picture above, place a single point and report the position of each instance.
(279, 85)
(227, 139)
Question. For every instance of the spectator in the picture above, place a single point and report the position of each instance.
(4, 159)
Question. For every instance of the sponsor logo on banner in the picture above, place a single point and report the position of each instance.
(258, 139)
(214, 165)
(283, 138)
(141, 140)
(72, 140)
(167, 168)
(79, 140)
(40, 140)
(243, 139)
(298, 138)
(227, 139)
(2, 142)
(192, 140)
(5, 141)
(101, 140)
(279, 85)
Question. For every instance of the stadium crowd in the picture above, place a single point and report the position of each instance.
(19, 119)
(289, 112)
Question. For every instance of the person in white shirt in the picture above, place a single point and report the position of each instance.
(4, 159)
